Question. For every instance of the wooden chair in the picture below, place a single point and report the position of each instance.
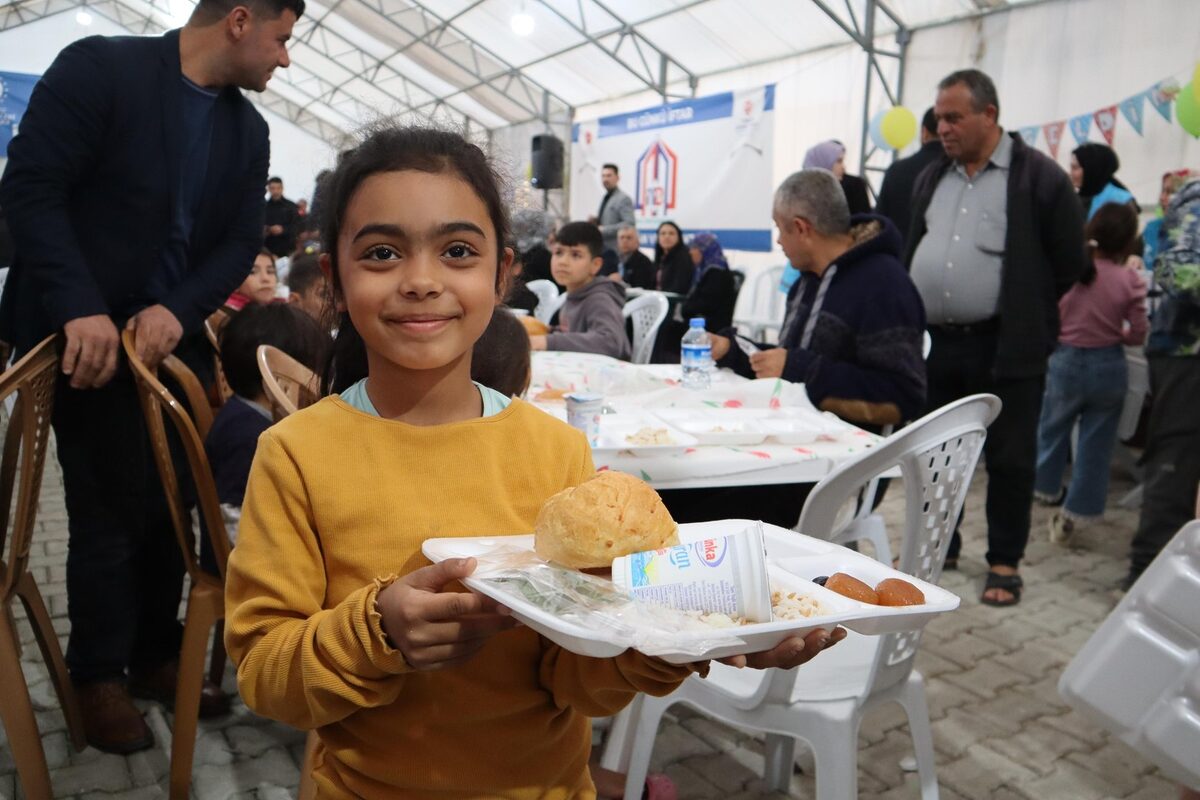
(212, 329)
(24, 456)
(290, 386)
(206, 598)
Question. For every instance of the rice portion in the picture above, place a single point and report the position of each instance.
(790, 605)
(785, 605)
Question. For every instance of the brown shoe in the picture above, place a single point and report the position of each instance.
(158, 683)
(111, 722)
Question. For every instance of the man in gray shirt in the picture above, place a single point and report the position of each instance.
(616, 209)
(997, 238)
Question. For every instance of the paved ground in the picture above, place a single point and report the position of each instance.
(1000, 729)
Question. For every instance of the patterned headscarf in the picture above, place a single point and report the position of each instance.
(711, 254)
(824, 155)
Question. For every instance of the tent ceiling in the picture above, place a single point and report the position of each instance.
(458, 60)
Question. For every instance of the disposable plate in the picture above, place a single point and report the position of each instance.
(793, 561)
(619, 431)
(716, 426)
(798, 425)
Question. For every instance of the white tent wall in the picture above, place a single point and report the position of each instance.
(296, 156)
(817, 97)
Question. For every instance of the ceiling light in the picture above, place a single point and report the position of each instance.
(522, 23)
(83, 18)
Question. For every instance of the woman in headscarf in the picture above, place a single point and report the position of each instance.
(831, 155)
(1094, 174)
(672, 264)
(714, 292)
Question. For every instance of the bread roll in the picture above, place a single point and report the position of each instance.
(609, 515)
(534, 326)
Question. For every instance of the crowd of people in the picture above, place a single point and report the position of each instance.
(403, 285)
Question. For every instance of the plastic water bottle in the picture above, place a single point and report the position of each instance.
(697, 362)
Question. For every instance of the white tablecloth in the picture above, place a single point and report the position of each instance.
(629, 388)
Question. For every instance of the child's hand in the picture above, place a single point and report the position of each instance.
(790, 652)
(435, 629)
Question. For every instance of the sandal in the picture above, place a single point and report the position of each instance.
(1008, 583)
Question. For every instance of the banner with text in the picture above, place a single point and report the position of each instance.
(15, 88)
(706, 164)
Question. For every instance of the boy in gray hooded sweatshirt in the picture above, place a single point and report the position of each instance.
(590, 321)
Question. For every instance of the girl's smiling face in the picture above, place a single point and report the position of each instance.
(262, 281)
(417, 258)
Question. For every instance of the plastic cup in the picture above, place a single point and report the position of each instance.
(583, 412)
(719, 575)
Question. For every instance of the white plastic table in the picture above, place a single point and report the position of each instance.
(630, 389)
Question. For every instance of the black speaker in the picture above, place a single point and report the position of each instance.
(546, 155)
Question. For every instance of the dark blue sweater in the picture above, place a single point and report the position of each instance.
(230, 446)
(864, 361)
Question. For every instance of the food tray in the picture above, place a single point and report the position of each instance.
(729, 426)
(793, 560)
(799, 425)
(614, 428)
(1139, 674)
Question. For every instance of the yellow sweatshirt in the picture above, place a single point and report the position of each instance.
(339, 500)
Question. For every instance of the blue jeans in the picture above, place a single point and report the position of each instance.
(1084, 385)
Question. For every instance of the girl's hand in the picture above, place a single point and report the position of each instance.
(434, 629)
(790, 652)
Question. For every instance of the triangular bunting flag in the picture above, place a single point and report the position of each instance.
(1106, 121)
(1053, 133)
(1161, 97)
(1080, 126)
(1134, 111)
(1029, 134)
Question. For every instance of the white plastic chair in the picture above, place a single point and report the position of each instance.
(648, 312)
(766, 305)
(824, 701)
(549, 299)
(1138, 676)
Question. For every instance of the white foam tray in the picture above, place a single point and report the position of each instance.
(1139, 674)
(793, 561)
(615, 428)
(730, 426)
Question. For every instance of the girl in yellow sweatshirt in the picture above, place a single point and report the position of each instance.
(336, 621)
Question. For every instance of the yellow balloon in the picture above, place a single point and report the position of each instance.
(899, 126)
(1196, 83)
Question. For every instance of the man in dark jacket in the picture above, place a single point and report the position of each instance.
(633, 267)
(281, 220)
(854, 326)
(996, 239)
(134, 193)
(895, 195)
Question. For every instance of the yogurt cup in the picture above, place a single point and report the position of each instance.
(583, 412)
(720, 575)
